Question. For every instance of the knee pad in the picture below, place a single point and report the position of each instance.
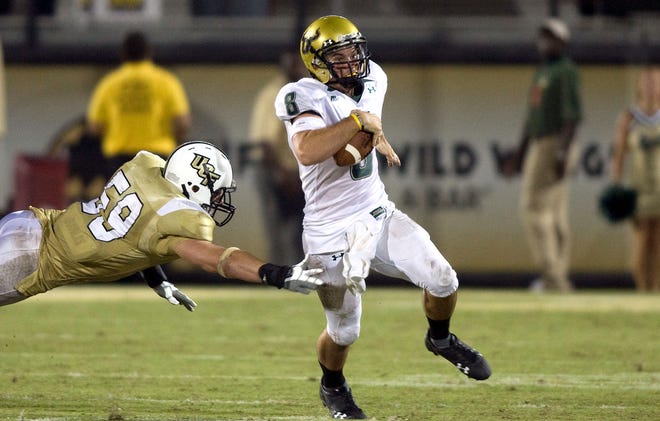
(445, 282)
(344, 335)
(344, 325)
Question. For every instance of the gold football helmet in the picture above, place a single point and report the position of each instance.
(326, 35)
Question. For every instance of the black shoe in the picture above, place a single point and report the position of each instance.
(340, 403)
(468, 360)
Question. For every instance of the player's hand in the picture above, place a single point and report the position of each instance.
(294, 278)
(356, 285)
(383, 146)
(172, 294)
(370, 122)
(302, 280)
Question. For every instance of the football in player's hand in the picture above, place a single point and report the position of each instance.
(355, 150)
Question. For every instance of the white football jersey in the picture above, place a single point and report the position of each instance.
(334, 195)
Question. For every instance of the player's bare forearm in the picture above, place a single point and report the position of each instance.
(233, 263)
(317, 145)
(314, 146)
(237, 265)
(242, 265)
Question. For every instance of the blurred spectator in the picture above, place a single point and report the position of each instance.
(277, 173)
(637, 138)
(138, 106)
(229, 7)
(618, 8)
(85, 179)
(39, 7)
(546, 156)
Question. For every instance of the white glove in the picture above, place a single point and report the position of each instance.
(302, 280)
(294, 278)
(172, 294)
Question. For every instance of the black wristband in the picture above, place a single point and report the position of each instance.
(274, 275)
(153, 276)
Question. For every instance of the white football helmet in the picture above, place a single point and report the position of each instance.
(203, 174)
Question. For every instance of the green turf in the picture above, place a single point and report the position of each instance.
(116, 353)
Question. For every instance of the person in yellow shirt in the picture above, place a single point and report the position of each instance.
(138, 106)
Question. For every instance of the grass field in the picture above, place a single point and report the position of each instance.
(120, 353)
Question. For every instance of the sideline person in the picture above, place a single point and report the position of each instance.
(547, 155)
(282, 198)
(138, 106)
(637, 142)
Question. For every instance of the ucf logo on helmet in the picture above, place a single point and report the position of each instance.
(307, 42)
(205, 170)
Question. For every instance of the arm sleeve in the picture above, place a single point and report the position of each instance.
(178, 226)
(297, 98)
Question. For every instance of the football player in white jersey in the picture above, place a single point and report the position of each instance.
(350, 225)
(151, 212)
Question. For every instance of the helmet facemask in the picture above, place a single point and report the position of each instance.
(355, 63)
(220, 207)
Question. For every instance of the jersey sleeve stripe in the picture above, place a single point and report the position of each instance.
(178, 204)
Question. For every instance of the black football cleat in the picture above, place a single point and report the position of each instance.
(340, 403)
(467, 359)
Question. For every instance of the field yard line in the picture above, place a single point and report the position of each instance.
(203, 357)
(184, 357)
(471, 299)
(650, 381)
(647, 381)
(218, 401)
(22, 417)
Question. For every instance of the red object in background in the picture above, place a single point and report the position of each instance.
(40, 182)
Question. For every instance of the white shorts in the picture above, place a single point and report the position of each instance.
(20, 237)
(398, 247)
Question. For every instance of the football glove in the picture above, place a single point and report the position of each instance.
(155, 277)
(294, 278)
(172, 294)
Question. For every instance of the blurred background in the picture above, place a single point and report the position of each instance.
(459, 72)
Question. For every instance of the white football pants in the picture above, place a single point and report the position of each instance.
(20, 236)
(395, 246)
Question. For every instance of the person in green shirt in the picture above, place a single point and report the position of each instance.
(547, 155)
